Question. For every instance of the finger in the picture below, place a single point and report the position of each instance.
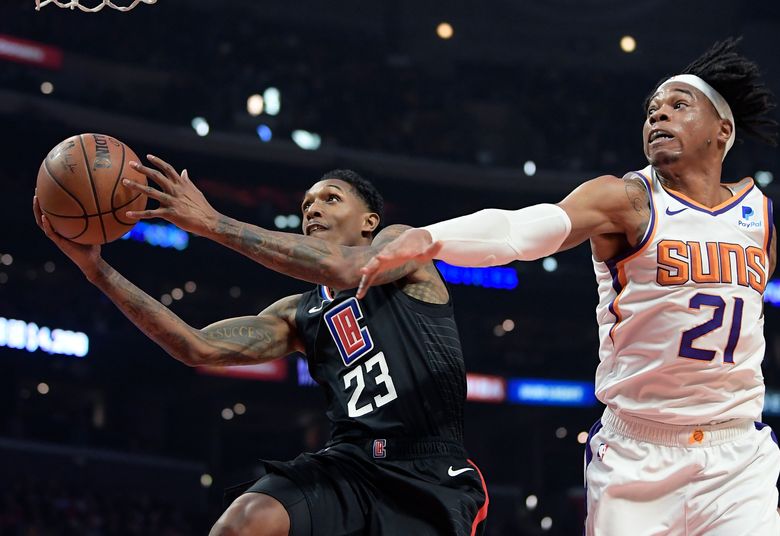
(47, 228)
(362, 287)
(146, 214)
(155, 176)
(185, 175)
(166, 168)
(36, 211)
(151, 192)
(432, 251)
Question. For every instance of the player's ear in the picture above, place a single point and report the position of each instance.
(724, 133)
(370, 222)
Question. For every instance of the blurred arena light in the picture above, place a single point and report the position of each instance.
(582, 437)
(627, 44)
(190, 286)
(177, 294)
(206, 480)
(7, 259)
(239, 408)
(227, 414)
(264, 133)
(531, 502)
(287, 222)
(772, 293)
(500, 277)
(304, 139)
(200, 125)
(47, 88)
(529, 168)
(764, 178)
(272, 98)
(255, 104)
(22, 335)
(444, 30)
(49, 267)
(546, 523)
(561, 432)
(164, 235)
(43, 388)
(166, 299)
(550, 264)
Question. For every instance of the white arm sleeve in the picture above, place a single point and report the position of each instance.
(493, 237)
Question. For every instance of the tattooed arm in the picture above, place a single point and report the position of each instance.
(318, 261)
(303, 257)
(235, 341)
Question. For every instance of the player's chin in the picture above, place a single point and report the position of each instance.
(662, 156)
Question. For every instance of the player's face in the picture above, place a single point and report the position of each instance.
(679, 121)
(332, 211)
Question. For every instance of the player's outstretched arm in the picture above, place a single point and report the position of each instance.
(235, 341)
(303, 257)
(603, 206)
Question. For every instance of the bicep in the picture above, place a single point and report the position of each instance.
(602, 206)
(248, 340)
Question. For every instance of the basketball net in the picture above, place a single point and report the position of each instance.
(73, 4)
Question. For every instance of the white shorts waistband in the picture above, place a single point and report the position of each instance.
(671, 435)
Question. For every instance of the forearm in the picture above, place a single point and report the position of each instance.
(492, 236)
(302, 257)
(235, 341)
(150, 316)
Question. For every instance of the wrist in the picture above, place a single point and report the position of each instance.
(94, 271)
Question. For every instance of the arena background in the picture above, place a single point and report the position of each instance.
(523, 102)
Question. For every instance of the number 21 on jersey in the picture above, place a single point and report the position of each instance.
(700, 301)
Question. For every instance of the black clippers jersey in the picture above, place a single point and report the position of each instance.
(390, 365)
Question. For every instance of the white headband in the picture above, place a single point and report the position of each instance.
(717, 100)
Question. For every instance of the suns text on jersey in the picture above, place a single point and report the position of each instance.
(711, 262)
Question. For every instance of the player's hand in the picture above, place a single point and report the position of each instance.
(411, 245)
(86, 257)
(181, 203)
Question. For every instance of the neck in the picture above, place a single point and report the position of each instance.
(702, 183)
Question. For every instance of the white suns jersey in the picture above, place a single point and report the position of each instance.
(681, 315)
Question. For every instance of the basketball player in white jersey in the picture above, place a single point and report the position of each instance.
(681, 261)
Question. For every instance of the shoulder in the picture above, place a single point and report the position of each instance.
(388, 234)
(423, 281)
(285, 308)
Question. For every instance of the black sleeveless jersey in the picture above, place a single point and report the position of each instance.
(390, 365)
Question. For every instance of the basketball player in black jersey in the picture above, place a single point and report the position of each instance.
(390, 365)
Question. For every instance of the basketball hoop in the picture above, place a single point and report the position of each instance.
(73, 4)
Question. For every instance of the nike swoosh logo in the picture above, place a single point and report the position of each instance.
(673, 212)
(456, 472)
(317, 309)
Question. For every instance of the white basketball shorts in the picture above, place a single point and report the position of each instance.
(648, 479)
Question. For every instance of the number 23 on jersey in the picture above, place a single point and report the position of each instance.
(354, 341)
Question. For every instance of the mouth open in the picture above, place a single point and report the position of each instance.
(314, 228)
(658, 137)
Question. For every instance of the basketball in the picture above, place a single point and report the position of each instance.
(80, 189)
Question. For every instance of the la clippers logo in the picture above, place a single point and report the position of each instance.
(379, 448)
(602, 451)
(352, 340)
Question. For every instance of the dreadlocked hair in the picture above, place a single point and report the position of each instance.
(739, 81)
